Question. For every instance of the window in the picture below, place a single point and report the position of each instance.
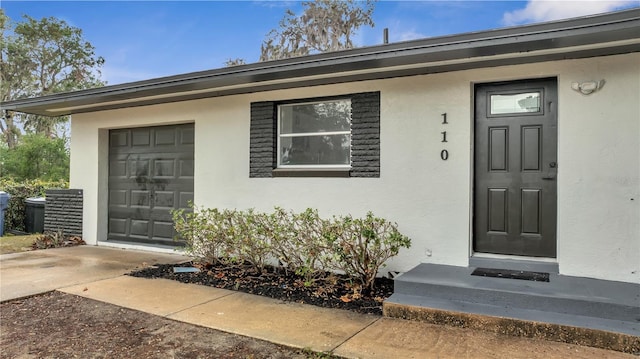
(315, 135)
(503, 104)
(319, 137)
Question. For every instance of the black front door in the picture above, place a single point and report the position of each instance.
(516, 168)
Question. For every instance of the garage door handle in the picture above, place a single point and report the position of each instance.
(549, 178)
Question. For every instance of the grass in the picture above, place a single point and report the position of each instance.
(13, 244)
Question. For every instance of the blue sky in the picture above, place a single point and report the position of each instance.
(147, 39)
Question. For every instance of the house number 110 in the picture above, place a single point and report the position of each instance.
(444, 154)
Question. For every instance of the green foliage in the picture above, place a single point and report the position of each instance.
(325, 25)
(225, 236)
(42, 57)
(247, 235)
(36, 157)
(302, 242)
(363, 245)
(197, 228)
(298, 242)
(19, 191)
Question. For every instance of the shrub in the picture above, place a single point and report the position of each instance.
(198, 229)
(224, 236)
(363, 245)
(19, 191)
(249, 236)
(298, 242)
(302, 242)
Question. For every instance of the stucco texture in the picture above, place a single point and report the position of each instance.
(598, 232)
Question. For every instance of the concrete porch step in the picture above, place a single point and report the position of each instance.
(571, 309)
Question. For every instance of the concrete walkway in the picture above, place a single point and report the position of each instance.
(97, 273)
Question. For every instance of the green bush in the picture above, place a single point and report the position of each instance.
(298, 242)
(363, 245)
(15, 214)
(225, 236)
(199, 229)
(301, 242)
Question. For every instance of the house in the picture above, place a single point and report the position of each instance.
(512, 148)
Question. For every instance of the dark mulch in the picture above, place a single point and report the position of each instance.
(337, 291)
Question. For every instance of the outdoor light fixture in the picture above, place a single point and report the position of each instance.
(587, 87)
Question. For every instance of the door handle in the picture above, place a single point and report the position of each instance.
(551, 175)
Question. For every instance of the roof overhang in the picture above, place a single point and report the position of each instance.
(602, 35)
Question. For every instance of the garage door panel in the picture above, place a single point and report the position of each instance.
(187, 136)
(139, 228)
(119, 139)
(163, 230)
(118, 168)
(150, 174)
(164, 199)
(141, 137)
(139, 167)
(186, 168)
(118, 226)
(118, 198)
(164, 168)
(185, 198)
(165, 137)
(140, 199)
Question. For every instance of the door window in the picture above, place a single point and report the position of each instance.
(503, 104)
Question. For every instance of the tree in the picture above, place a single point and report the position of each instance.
(42, 57)
(13, 79)
(36, 157)
(325, 25)
(234, 62)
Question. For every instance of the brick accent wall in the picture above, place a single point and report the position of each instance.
(365, 136)
(63, 211)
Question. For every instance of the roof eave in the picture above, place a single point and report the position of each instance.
(577, 38)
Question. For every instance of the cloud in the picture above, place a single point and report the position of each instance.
(546, 10)
(275, 4)
(407, 35)
(118, 75)
(399, 30)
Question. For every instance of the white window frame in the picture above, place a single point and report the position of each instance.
(308, 134)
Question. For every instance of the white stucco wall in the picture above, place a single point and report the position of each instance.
(598, 157)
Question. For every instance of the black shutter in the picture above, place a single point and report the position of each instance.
(365, 135)
(262, 142)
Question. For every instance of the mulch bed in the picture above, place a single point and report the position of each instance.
(336, 291)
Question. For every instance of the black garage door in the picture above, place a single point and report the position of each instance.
(150, 173)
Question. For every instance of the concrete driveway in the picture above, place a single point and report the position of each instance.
(29, 273)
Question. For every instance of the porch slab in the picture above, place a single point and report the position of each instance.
(291, 324)
(583, 311)
(30, 273)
